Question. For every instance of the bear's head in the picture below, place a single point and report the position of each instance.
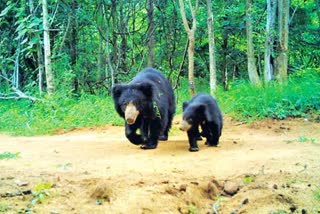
(132, 99)
(193, 115)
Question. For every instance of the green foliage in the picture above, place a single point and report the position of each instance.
(192, 209)
(9, 155)
(58, 113)
(296, 98)
(4, 208)
(247, 179)
(279, 212)
(318, 194)
(303, 139)
(40, 192)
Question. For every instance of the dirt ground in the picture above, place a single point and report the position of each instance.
(275, 165)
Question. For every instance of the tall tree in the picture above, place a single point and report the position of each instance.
(212, 55)
(151, 29)
(252, 68)
(191, 37)
(283, 24)
(318, 13)
(270, 28)
(73, 42)
(47, 49)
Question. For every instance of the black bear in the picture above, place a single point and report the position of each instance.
(146, 103)
(202, 110)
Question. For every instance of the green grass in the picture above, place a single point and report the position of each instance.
(39, 118)
(4, 208)
(317, 194)
(299, 97)
(9, 155)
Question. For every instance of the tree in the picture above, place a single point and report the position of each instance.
(252, 68)
(47, 49)
(191, 37)
(270, 28)
(212, 55)
(151, 29)
(283, 25)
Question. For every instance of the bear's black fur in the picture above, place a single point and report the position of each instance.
(151, 96)
(202, 110)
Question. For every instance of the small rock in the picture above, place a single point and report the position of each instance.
(183, 188)
(275, 186)
(303, 211)
(293, 208)
(231, 188)
(21, 183)
(212, 190)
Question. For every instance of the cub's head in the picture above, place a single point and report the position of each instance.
(131, 99)
(192, 116)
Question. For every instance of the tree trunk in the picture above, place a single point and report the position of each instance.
(124, 46)
(224, 47)
(73, 43)
(270, 27)
(283, 22)
(252, 68)
(212, 56)
(39, 54)
(151, 38)
(100, 65)
(191, 38)
(47, 49)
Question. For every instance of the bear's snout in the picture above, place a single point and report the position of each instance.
(184, 126)
(131, 113)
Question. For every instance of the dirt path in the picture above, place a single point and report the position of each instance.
(275, 171)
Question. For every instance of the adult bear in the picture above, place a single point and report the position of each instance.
(146, 103)
(202, 110)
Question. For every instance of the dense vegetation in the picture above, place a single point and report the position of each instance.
(95, 44)
(243, 101)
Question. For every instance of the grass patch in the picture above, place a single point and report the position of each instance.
(297, 98)
(243, 101)
(4, 208)
(42, 118)
(9, 155)
(303, 139)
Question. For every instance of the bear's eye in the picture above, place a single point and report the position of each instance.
(189, 120)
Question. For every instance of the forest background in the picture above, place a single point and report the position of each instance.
(60, 59)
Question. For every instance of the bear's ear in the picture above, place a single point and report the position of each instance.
(146, 89)
(117, 90)
(185, 105)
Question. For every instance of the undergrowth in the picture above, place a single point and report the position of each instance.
(299, 97)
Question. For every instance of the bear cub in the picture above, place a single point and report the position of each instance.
(202, 110)
(147, 104)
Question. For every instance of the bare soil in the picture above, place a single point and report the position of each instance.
(276, 165)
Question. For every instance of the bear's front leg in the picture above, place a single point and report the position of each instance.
(193, 135)
(214, 135)
(154, 132)
(131, 134)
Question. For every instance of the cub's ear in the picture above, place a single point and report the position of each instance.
(146, 89)
(185, 105)
(117, 90)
